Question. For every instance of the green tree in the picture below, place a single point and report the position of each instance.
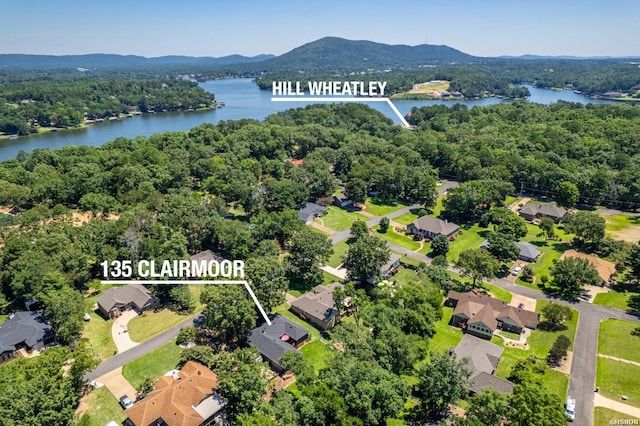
(298, 364)
(229, 311)
(268, 280)
(555, 315)
(547, 228)
(442, 381)
(365, 257)
(558, 351)
(532, 404)
(308, 250)
(182, 298)
(567, 194)
(440, 245)
(634, 261)
(588, 226)
(145, 388)
(64, 307)
(502, 247)
(477, 264)
(487, 408)
(384, 224)
(571, 274)
(243, 385)
(187, 334)
(359, 228)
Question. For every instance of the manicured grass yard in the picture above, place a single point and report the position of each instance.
(615, 377)
(102, 408)
(98, 330)
(150, 323)
(446, 336)
(498, 292)
(154, 364)
(618, 222)
(613, 299)
(468, 238)
(380, 208)
(541, 341)
(393, 237)
(406, 218)
(317, 354)
(337, 219)
(339, 251)
(615, 339)
(606, 416)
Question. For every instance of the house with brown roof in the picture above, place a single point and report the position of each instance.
(481, 315)
(430, 227)
(116, 300)
(318, 306)
(187, 399)
(533, 212)
(604, 268)
(482, 361)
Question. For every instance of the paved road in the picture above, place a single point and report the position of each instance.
(137, 351)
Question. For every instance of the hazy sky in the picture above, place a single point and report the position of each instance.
(218, 28)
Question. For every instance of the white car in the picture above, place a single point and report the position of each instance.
(516, 270)
(570, 408)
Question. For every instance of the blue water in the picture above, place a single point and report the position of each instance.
(243, 99)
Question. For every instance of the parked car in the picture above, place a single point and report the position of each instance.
(516, 270)
(570, 408)
(125, 402)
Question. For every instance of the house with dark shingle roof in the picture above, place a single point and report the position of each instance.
(527, 251)
(430, 227)
(532, 212)
(318, 306)
(481, 315)
(341, 200)
(482, 360)
(186, 399)
(25, 329)
(273, 341)
(116, 300)
(310, 211)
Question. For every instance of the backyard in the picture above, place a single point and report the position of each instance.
(102, 407)
(337, 219)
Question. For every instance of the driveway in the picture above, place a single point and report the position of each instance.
(117, 384)
(528, 302)
(120, 332)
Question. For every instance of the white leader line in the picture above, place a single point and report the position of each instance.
(342, 99)
(177, 282)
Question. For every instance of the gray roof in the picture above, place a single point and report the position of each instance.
(544, 209)
(483, 380)
(268, 339)
(483, 356)
(528, 250)
(207, 256)
(435, 225)
(24, 326)
(309, 210)
(393, 258)
(131, 293)
(319, 303)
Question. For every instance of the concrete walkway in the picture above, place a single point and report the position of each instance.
(338, 272)
(621, 407)
(120, 333)
(619, 359)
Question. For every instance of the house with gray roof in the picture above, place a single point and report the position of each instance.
(527, 251)
(25, 329)
(430, 227)
(533, 212)
(391, 266)
(318, 306)
(341, 200)
(310, 211)
(482, 361)
(116, 300)
(273, 341)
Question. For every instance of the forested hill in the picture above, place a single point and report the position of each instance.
(100, 60)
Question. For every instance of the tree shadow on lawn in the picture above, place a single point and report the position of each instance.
(547, 326)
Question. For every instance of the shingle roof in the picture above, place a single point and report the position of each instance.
(207, 256)
(435, 225)
(393, 258)
(183, 402)
(319, 304)
(309, 210)
(482, 360)
(24, 326)
(131, 293)
(605, 268)
(267, 339)
(527, 250)
(483, 380)
(544, 209)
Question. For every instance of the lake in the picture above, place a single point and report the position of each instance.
(242, 99)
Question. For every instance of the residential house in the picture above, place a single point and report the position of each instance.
(605, 269)
(25, 329)
(207, 256)
(116, 300)
(481, 315)
(430, 227)
(528, 252)
(273, 341)
(188, 398)
(391, 267)
(318, 306)
(482, 360)
(533, 212)
(341, 200)
(310, 211)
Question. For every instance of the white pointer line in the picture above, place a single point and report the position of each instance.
(200, 282)
(342, 99)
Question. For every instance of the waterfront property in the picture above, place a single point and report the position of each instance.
(187, 398)
(116, 300)
(24, 330)
(481, 315)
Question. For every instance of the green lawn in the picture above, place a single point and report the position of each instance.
(437, 209)
(339, 251)
(541, 341)
(152, 365)
(378, 207)
(317, 354)
(615, 378)
(468, 238)
(399, 239)
(406, 218)
(151, 323)
(618, 222)
(446, 336)
(614, 299)
(337, 219)
(606, 416)
(102, 407)
(615, 339)
(283, 310)
(98, 330)
(498, 292)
